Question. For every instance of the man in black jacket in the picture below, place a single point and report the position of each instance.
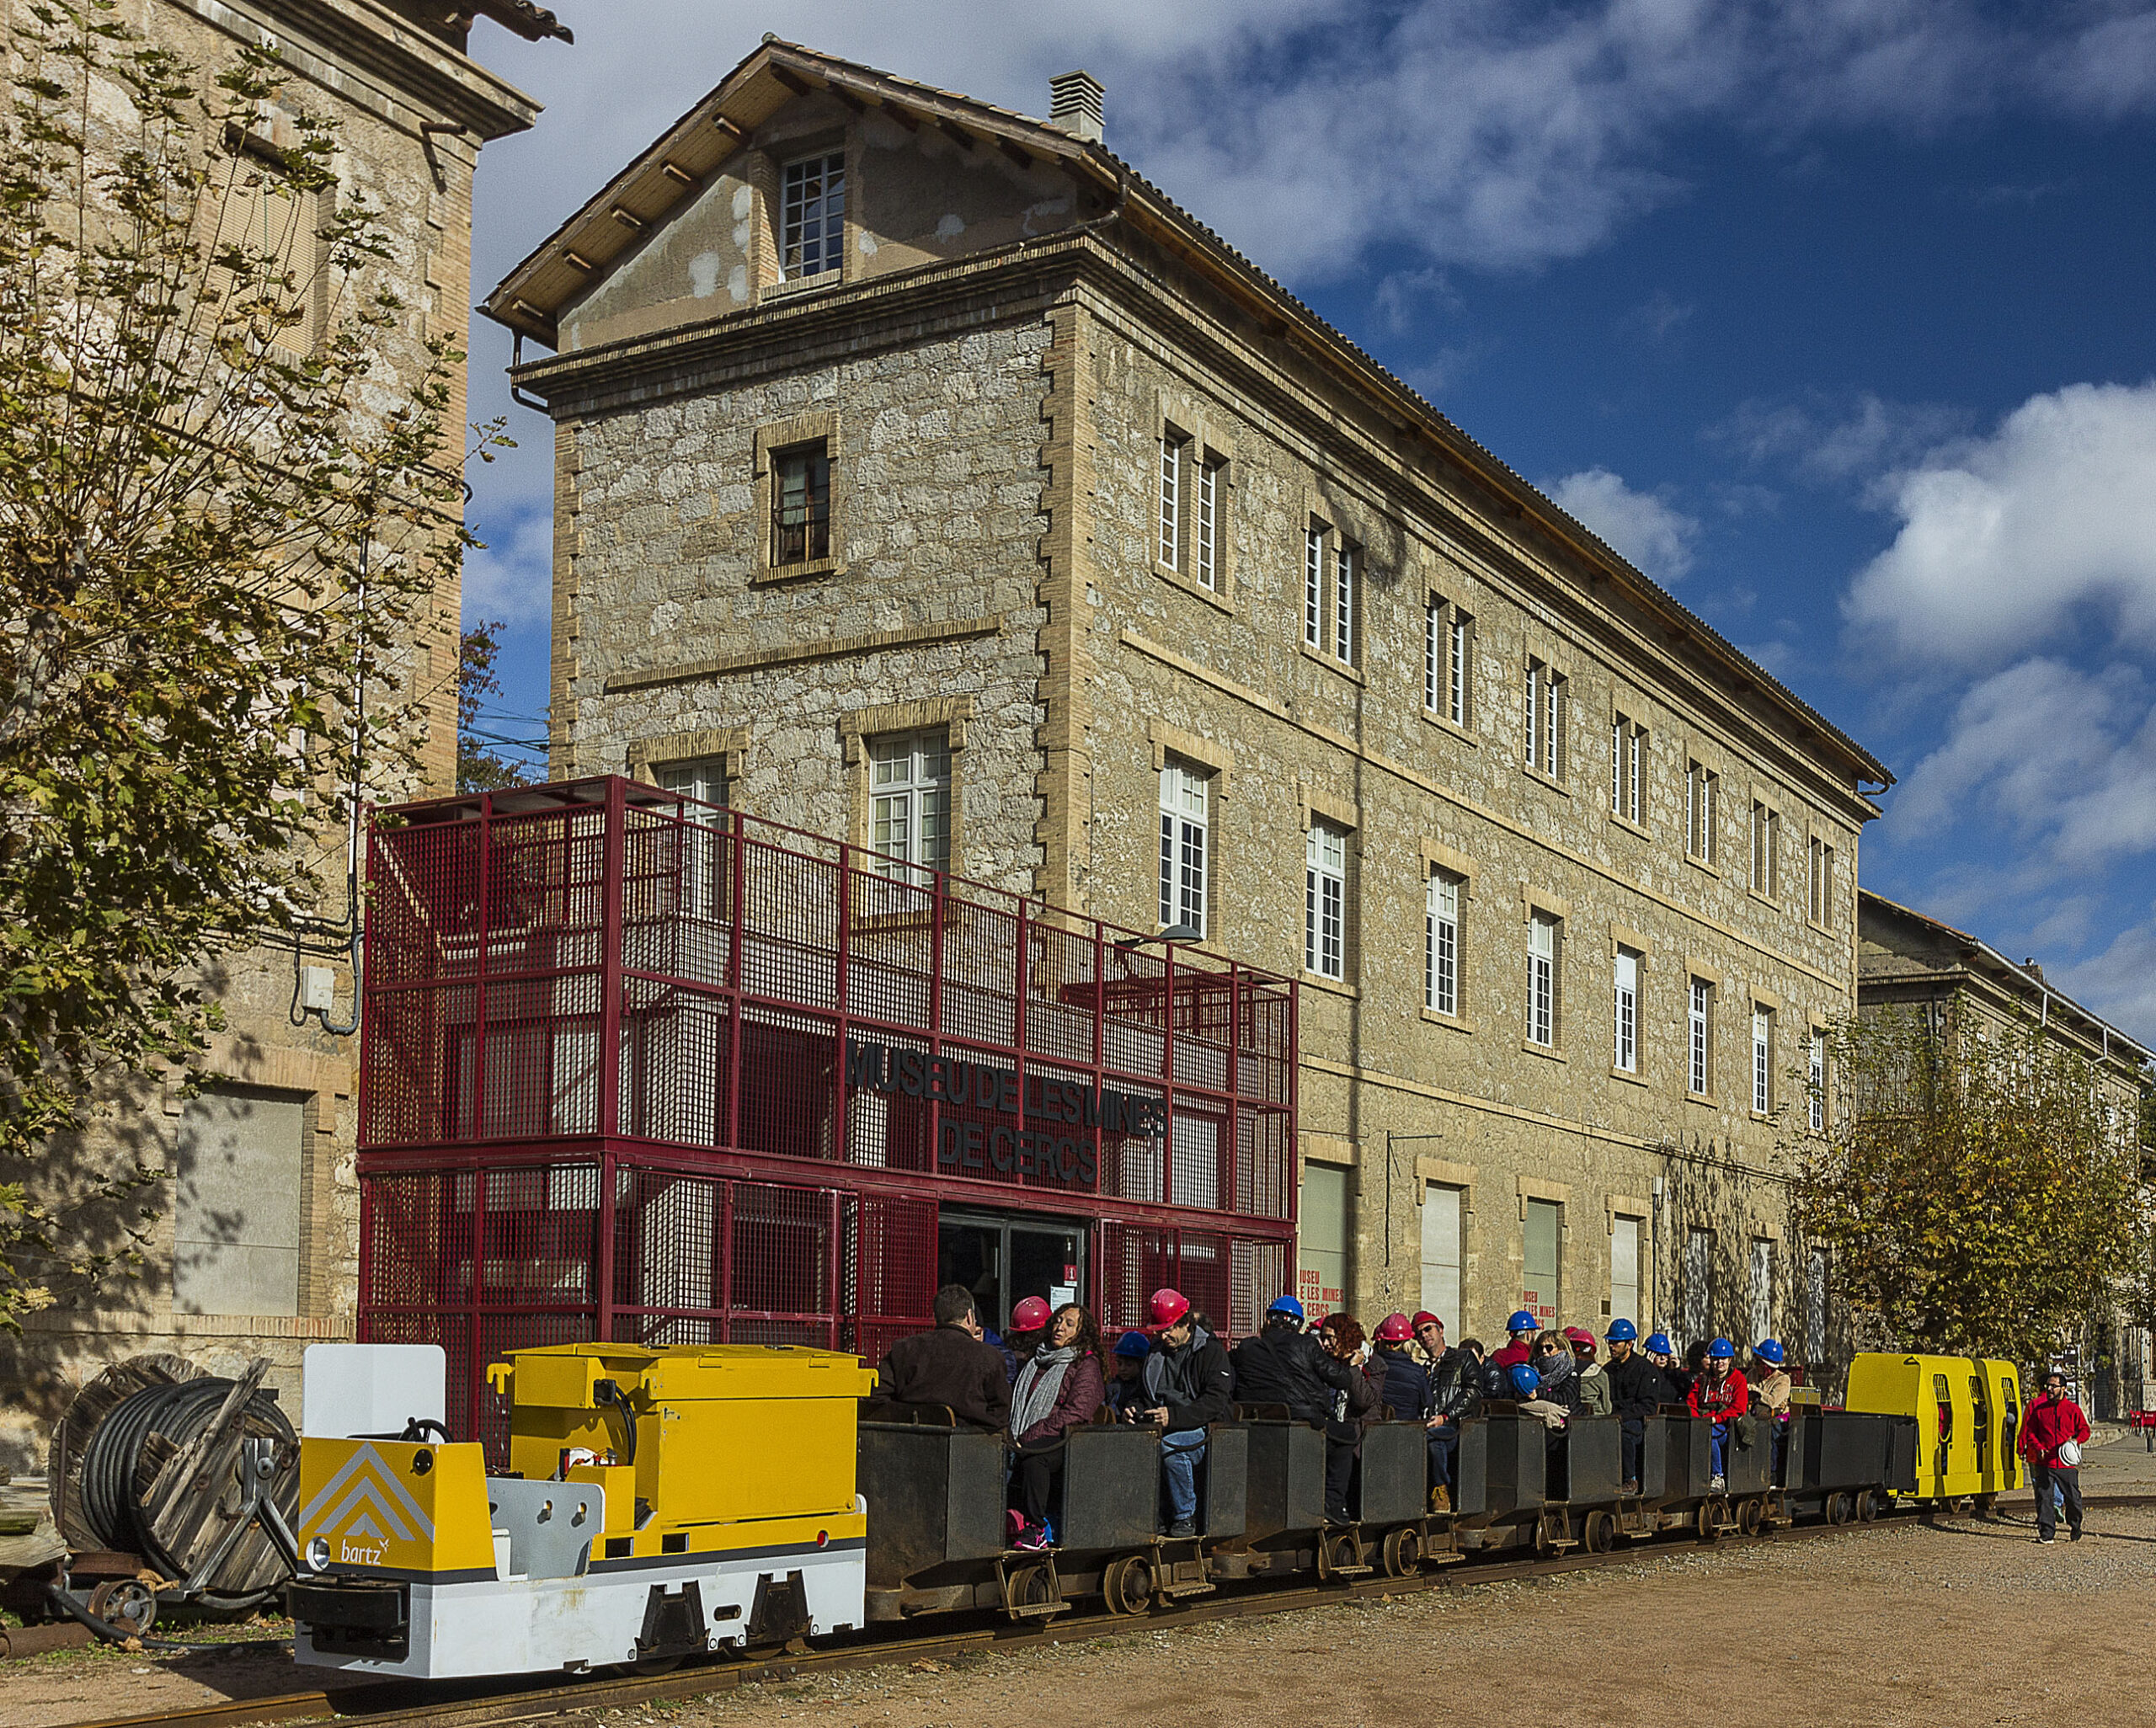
(1637, 1389)
(1453, 1395)
(1284, 1365)
(1189, 1384)
(951, 1366)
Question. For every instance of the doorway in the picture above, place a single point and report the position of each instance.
(1003, 1260)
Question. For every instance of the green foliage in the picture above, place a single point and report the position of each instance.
(479, 766)
(1978, 1191)
(218, 512)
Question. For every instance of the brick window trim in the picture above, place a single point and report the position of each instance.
(948, 714)
(772, 438)
(648, 755)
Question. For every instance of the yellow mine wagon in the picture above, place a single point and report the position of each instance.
(1968, 1413)
(659, 1503)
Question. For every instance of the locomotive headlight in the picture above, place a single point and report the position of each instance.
(317, 1553)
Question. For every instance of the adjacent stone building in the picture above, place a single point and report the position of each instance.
(1908, 962)
(254, 1250)
(924, 474)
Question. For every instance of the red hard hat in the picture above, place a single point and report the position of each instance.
(1579, 1334)
(1168, 1307)
(1394, 1329)
(1030, 1315)
(1423, 1318)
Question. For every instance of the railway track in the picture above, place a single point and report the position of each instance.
(401, 1704)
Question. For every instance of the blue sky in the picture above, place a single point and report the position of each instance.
(1836, 317)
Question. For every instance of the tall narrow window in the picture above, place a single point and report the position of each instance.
(1700, 1078)
(1815, 1304)
(1443, 1211)
(812, 215)
(1545, 720)
(1624, 1270)
(1314, 538)
(1347, 579)
(1766, 834)
(1821, 885)
(1542, 941)
(1702, 788)
(1321, 1238)
(910, 809)
(1324, 901)
(1433, 656)
(704, 850)
(1205, 540)
(1628, 741)
(801, 504)
(1699, 1295)
(1542, 1271)
(1184, 846)
(1763, 1059)
(1441, 944)
(1172, 452)
(1762, 1288)
(1625, 1057)
(1816, 1105)
(1461, 637)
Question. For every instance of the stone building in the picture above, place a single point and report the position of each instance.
(924, 474)
(254, 1251)
(1912, 962)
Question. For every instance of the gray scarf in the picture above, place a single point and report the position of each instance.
(1038, 1383)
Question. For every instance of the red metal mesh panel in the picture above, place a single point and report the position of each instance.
(1060, 993)
(789, 1083)
(540, 1232)
(1257, 1272)
(1265, 1163)
(980, 975)
(1201, 1274)
(783, 1286)
(669, 1258)
(892, 1265)
(1135, 1262)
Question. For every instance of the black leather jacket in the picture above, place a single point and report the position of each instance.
(1279, 1365)
(1455, 1390)
(1637, 1387)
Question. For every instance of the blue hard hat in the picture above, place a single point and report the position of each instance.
(1133, 1344)
(1659, 1343)
(1721, 1350)
(1766, 1350)
(1526, 1382)
(1522, 1321)
(1623, 1332)
(1286, 1305)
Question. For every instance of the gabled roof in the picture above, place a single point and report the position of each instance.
(2024, 980)
(576, 255)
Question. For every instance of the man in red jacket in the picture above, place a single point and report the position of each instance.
(2053, 1422)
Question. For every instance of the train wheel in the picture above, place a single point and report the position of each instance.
(128, 1603)
(1704, 1521)
(1402, 1554)
(1343, 1554)
(1599, 1535)
(1750, 1515)
(1032, 1586)
(1128, 1584)
(1867, 1506)
(1836, 1510)
(1983, 1504)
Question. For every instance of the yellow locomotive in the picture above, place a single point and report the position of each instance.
(660, 1503)
(1968, 1419)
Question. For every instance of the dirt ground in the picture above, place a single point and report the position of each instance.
(1962, 1622)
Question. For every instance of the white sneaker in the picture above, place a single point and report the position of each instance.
(1718, 1484)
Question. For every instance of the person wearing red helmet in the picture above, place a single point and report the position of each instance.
(1593, 1384)
(1454, 1374)
(1400, 1381)
(1027, 1331)
(1188, 1385)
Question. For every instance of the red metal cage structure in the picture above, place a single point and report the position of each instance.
(638, 1068)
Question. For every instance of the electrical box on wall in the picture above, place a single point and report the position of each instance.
(318, 989)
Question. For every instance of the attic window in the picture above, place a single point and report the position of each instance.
(812, 220)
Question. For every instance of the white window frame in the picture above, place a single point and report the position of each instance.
(1763, 1059)
(1766, 836)
(1314, 550)
(1627, 745)
(1434, 629)
(1624, 989)
(1762, 1281)
(1820, 896)
(1325, 900)
(1461, 646)
(1699, 1024)
(795, 212)
(1545, 721)
(1174, 458)
(1186, 845)
(1816, 1105)
(910, 804)
(1544, 945)
(1441, 944)
(1205, 541)
(1346, 602)
(1702, 793)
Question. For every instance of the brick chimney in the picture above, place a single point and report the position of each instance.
(1076, 104)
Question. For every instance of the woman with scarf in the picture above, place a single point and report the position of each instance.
(1058, 1389)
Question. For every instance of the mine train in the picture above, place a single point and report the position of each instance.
(665, 1503)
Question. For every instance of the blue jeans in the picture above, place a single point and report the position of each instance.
(1181, 1454)
(1717, 1441)
(1444, 1456)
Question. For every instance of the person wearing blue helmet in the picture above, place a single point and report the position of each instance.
(1126, 1371)
(1721, 1396)
(1770, 1389)
(1637, 1390)
(1522, 1328)
(1282, 1364)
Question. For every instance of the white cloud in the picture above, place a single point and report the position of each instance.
(2120, 983)
(2063, 759)
(1642, 526)
(1859, 438)
(512, 580)
(2005, 540)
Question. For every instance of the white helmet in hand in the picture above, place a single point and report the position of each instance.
(2069, 1455)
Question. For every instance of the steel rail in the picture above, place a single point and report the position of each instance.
(402, 1704)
